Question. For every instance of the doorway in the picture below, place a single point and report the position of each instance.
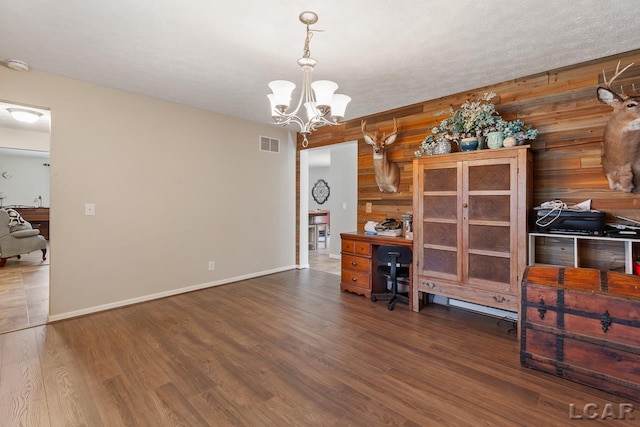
(25, 188)
(337, 166)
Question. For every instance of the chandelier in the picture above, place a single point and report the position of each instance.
(321, 105)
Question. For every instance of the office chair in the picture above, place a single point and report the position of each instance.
(396, 261)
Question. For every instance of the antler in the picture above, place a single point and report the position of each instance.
(395, 129)
(618, 73)
(368, 138)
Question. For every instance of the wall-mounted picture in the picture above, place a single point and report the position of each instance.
(321, 191)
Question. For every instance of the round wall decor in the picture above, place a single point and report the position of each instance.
(320, 191)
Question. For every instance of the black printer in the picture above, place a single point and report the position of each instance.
(562, 220)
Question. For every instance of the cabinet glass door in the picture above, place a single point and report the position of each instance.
(440, 212)
(489, 221)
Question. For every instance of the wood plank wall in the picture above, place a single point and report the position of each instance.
(561, 104)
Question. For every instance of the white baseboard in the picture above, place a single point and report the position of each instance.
(151, 297)
(495, 312)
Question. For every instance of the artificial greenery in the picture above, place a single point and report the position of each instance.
(474, 118)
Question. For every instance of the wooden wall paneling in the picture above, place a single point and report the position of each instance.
(561, 104)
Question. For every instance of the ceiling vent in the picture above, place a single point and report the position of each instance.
(269, 144)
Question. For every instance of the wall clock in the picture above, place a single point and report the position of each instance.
(320, 191)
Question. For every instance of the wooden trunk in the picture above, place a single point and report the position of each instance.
(583, 324)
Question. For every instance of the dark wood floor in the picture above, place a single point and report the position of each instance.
(287, 349)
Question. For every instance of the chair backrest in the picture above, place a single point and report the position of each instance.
(4, 222)
(387, 253)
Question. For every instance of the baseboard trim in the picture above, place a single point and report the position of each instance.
(172, 292)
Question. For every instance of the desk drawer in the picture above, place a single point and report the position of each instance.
(350, 262)
(359, 248)
(355, 278)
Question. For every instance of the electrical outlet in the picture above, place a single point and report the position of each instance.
(368, 207)
(212, 265)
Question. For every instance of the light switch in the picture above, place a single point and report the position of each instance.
(89, 208)
(344, 206)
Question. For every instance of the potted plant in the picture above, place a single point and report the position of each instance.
(474, 120)
(439, 142)
(515, 132)
(473, 117)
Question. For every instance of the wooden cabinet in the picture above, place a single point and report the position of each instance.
(470, 226)
(37, 217)
(359, 263)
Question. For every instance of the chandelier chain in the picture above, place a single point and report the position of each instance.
(307, 51)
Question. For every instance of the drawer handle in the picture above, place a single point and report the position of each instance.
(354, 279)
(498, 298)
(542, 308)
(605, 321)
(354, 263)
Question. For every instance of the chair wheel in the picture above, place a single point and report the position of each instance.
(374, 298)
(390, 306)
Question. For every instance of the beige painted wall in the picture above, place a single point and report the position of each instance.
(174, 188)
(23, 140)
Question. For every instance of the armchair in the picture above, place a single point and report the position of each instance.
(23, 239)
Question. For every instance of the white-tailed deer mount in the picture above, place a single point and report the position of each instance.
(621, 140)
(387, 173)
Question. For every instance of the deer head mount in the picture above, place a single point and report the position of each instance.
(387, 173)
(621, 140)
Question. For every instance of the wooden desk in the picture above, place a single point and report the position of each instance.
(319, 216)
(38, 217)
(360, 264)
(318, 222)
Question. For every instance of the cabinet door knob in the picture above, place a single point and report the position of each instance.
(465, 204)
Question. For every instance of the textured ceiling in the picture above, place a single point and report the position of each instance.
(219, 56)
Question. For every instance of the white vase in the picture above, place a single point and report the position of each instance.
(442, 147)
(510, 141)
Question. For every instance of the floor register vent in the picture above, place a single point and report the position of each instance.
(269, 144)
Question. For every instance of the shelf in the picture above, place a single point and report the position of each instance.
(628, 246)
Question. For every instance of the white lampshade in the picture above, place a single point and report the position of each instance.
(282, 90)
(312, 112)
(339, 105)
(23, 115)
(323, 90)
(274, 110)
